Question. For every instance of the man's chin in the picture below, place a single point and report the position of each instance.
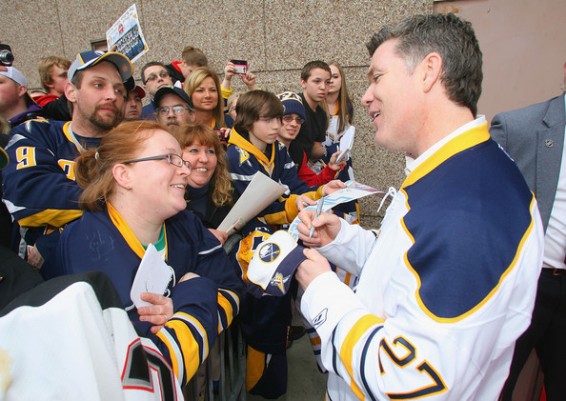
(107, 122)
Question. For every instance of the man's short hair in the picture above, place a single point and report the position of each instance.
(146, 66)
(311, 65)
(46, 67)
(449, 36)
(195, 57)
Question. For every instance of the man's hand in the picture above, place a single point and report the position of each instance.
(327, 226)
(160, 311)
(311, 268)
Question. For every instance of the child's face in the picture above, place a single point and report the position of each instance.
(264, 132)
(316, 86)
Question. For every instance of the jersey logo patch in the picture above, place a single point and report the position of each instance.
(279, 281)
(244, 156)
(320, 318)
(269, 252)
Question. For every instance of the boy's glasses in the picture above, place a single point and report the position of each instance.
(288, 119)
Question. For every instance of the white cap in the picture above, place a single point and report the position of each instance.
(15, 75)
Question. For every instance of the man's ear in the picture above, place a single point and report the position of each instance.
(431, 70)
(71, 92)
(303, 84)
(122, 176)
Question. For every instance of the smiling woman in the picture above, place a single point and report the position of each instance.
(203, 86)
(134, 195)
(209, 192)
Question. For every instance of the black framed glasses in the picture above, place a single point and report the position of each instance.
(289, 118)
(177, 109)
(171, 158)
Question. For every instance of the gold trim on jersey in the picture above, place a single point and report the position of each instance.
(462, 142)
(51, 217)
(124, 229)
(244, 144)
(359, 329)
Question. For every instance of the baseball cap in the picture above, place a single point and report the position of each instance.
(175, 91)
(18, 77)
(292, 103)
(90, 58)
(130, 85)
(272, 267)
(15, 75)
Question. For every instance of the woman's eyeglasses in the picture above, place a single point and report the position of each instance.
(171, 158)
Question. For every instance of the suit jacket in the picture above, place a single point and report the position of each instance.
(534, 137)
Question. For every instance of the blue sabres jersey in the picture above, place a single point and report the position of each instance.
(102, 241)
(39, 183)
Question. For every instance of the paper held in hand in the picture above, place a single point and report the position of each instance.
(260, 193)
(346, 144)
(153, 275)
(354, 190)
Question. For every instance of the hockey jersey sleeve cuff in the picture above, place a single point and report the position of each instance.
(326, 301)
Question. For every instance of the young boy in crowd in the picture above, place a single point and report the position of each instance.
(315, 77)
(254, 148)
(291, 123)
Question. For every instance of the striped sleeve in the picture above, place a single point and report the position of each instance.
(186, 337)
(38, 184)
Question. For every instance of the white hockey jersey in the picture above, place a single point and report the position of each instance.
(70, 339)
(444, 290)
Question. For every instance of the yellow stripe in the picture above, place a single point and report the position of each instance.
(129, 235)
(350, 341)
(172, 353)
(462, 142)
(242, 143)
(189, 346)
(226, 306)
(51, 217)
(199, 327)
(255, 366)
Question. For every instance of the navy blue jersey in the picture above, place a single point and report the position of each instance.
(101, 241)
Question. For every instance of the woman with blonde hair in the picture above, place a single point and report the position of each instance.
(203, 87)
(340, 111)
(338, 102)
(134, 195)
(210, 194)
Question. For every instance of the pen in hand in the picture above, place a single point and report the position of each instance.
(319, 205)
